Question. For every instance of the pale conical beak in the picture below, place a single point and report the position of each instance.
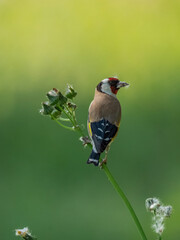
(122, 84)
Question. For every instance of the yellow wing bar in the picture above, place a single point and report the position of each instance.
(90, 131)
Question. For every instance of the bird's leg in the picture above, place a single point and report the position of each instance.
(85, 140)
(104, 161)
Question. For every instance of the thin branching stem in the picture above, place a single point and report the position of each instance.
(67, 115)
(64, 119)
(62, 125)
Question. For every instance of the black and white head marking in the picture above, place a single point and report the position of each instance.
(105, 87)
(111, 86)
(99, 87)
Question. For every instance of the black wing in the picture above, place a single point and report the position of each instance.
(102, 134)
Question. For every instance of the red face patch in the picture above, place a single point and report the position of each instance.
(114, 89)
(113, 84)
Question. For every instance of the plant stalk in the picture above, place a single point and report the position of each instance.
(125, 200)
(62, 125)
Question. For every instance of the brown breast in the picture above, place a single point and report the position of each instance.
(105, 106)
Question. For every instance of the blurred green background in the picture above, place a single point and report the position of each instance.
(45, 182)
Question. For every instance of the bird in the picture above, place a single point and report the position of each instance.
(104, 118)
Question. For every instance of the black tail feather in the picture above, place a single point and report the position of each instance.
(94, 158)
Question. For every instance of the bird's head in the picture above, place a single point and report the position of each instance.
(110, 86)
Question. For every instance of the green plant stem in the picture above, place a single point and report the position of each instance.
(62, 125)
(66, 114)
(126, 201)
(64, 119)
(69, 114)
(160, 238)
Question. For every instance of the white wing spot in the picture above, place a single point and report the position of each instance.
(100, 129)
(99, 137)
(107, 139)
(107, 131)
(93, 160)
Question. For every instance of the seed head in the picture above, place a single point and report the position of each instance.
(160, 213)
(53, 96)
(152, 203)
(46, 108)
(70, 92)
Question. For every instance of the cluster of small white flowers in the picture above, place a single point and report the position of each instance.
(160, 213)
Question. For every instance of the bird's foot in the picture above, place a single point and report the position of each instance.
(85, 140)
(104, 161)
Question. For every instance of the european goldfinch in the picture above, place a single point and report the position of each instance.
(104, 117)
